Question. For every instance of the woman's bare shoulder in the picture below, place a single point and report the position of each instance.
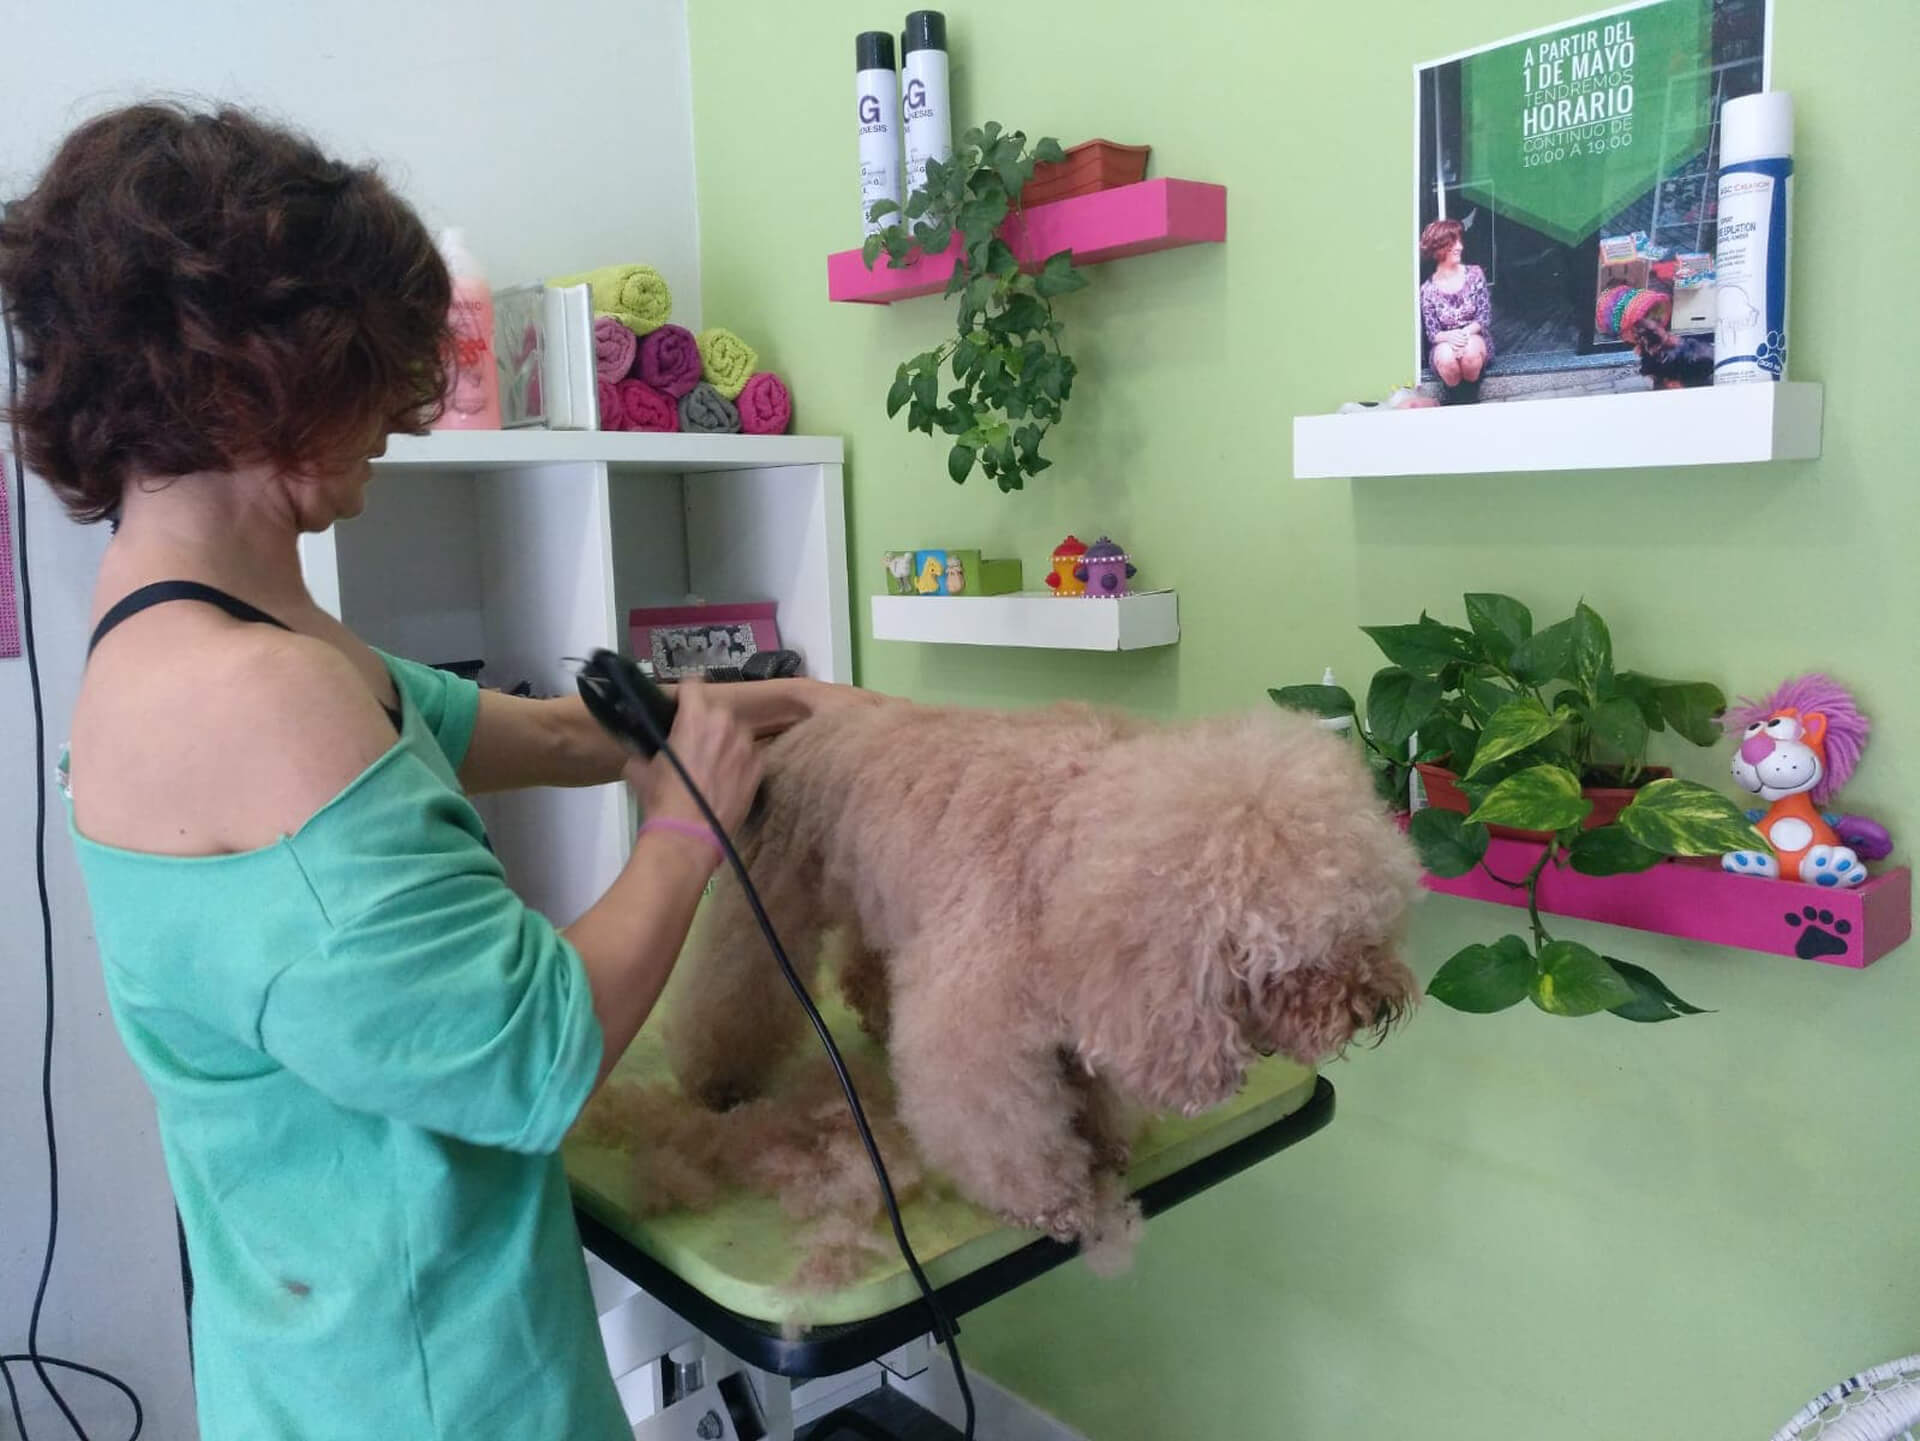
(196, 735)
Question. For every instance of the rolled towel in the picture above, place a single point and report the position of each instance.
(706, 411)
(614, 347)
(726, 361)
(669, 360)
(613, 415)
(635, 295)
(646, 408)
(765, 406)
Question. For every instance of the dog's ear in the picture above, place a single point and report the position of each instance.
(1310, 1013)
(1162, 1024)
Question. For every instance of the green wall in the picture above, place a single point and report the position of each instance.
(1516, 1226)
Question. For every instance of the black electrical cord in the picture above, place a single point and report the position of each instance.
(33, 1354)
(944, 1331)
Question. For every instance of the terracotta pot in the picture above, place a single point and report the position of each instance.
(1444, 793)
(1090, 166)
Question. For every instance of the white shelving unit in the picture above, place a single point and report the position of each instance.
(528, 548)
(1712, 425)
(1031, 618)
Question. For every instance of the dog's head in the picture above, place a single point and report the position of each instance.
(1235, 890)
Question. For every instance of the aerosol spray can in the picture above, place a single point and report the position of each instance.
(876, 92)
(1750, 259)
(923, 94)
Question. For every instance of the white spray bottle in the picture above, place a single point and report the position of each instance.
(876, 91)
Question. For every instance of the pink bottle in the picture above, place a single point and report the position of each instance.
(473, 378)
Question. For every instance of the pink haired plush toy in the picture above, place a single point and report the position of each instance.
(1797, 748)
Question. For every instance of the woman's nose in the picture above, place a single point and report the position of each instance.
(1755, 749)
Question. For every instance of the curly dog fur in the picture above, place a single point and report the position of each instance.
(1055, 919)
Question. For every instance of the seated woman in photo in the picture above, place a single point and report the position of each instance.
(1455, 313)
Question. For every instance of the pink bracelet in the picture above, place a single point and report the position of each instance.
(685, 828)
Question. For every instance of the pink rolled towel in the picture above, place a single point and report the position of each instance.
(613, 349)
(765, 406)
(646, 408)
(669, 360)
(613, 415)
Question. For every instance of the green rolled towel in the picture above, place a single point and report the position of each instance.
(634, 295)
(726, 361)
(705, 411)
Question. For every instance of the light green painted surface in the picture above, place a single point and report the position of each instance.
(741, 1252)
(1515, 1226)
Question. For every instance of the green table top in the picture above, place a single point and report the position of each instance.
(741, 1252)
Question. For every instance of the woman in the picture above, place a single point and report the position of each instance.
(1455, 312)
(364, 1049)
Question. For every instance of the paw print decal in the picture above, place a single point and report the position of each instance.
(1820, 935)
(1771, 354)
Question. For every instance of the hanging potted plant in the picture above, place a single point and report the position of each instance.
(1536, 734)
(1011, 377)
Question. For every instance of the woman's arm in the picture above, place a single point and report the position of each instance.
(519, 742)
(1482, 303)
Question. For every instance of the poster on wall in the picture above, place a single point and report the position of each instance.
(1565, 201)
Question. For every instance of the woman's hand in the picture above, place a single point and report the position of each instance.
(719, 756)
(767, 707)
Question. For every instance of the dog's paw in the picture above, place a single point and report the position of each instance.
(1108, 1245)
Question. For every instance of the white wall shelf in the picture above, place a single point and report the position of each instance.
(677, 453)
(1031, 618)
(1712, 425)
(525, 548)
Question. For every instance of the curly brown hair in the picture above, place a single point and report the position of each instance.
(1440, 237)
(199, 291)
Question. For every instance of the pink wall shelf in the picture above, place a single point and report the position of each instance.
(1701, 902)
(1106, 225)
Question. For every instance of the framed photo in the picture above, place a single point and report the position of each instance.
(689, 640)
(1565, 202)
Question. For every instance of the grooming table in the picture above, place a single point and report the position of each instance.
(725, 1271)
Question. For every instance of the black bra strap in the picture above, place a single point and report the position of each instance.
(162, 591)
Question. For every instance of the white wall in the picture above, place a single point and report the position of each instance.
(560, 135)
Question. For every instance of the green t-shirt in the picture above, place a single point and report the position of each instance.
(364, 1049)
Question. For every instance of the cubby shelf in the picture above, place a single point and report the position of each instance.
(1106, 225)
(669, 453)
(1711, 425)
(1698, 901)
(1034, 619)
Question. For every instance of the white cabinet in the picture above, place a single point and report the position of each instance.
(526, 549)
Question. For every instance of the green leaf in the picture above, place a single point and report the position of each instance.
(1519, 723)
(1540, 798)
(1610, 851)
(870, 250)
(1484, 697)
(917, 204)
(1644, 692)
(899, 392)
(1048, 149)
(1619, 724)
(1452, 740)
(1058, 277)
(1425, 649)
(1485, 979)
(1545, 655)
(960, 463)
(1694, 710)
(1577, 981)
(926, 386)
(1448, 843)
(1652, 1000)
(1591, 653)
(881, 209)
(1320, 700)
(1001, 260)
(1501, 622)
(1679, 818)
(1398, 704)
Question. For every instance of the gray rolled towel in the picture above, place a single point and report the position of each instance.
(706, 411)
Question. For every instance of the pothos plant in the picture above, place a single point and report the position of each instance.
(1012, 378)
(1527, 719)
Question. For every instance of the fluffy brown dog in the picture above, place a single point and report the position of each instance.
(1053, 918)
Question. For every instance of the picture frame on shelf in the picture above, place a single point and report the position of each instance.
(688, 641)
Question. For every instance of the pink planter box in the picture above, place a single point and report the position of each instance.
(1107, 225)
(1701, 902)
